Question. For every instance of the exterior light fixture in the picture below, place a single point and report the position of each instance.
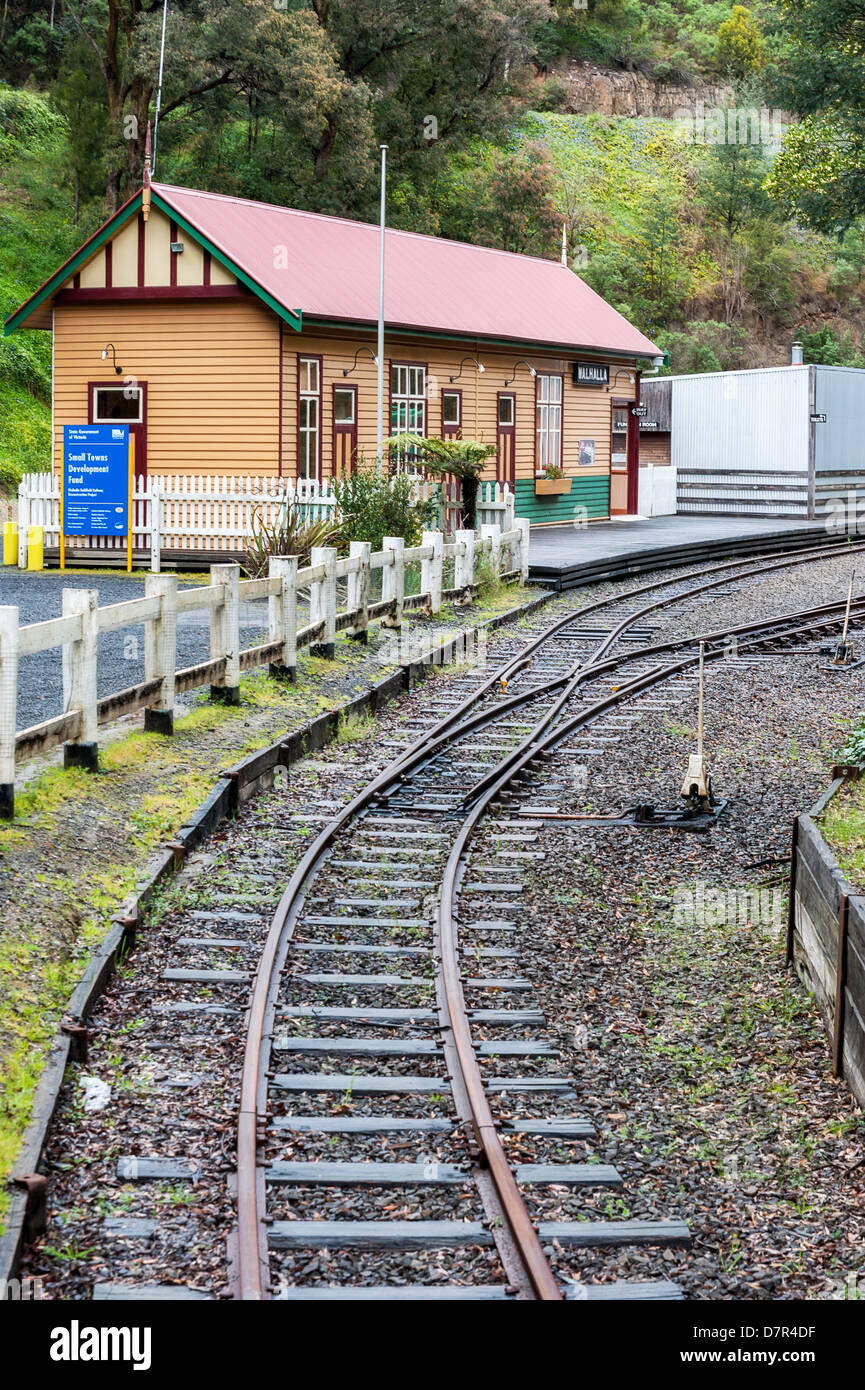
(522, 363)
(118, 370)
(346, 371)
(480, 366)
(621, 372)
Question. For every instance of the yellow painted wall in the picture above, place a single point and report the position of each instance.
(212, 373)
(157, 259)
(586, 412)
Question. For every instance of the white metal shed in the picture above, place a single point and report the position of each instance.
(776, 441)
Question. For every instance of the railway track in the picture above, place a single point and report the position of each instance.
(387, 1010)
(421, 801)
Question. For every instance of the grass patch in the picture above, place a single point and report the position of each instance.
(353, 728)
(843, 827)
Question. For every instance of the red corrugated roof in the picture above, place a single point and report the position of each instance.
(331, 272)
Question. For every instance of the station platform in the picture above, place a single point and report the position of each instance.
(568, 557)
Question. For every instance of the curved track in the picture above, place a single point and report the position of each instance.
(425, 810)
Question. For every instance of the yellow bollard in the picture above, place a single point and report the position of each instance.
(10, 543)
(35, 547)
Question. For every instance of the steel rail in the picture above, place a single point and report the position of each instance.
(598, 668)
(251, 1244)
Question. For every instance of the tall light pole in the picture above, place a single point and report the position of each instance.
(380, 402)
(159, 83)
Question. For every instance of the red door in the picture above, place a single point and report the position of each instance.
(122, 403)
(506, 439)
(344, 429)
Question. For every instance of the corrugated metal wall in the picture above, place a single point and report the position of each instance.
(839, 444)
(740, 442)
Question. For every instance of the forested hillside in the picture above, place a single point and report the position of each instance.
(722, 250)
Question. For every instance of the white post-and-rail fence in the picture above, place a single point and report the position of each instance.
(77, 631)
(218, 514)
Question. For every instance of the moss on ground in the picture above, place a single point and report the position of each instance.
(79, 843)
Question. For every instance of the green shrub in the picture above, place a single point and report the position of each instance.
(372, 507)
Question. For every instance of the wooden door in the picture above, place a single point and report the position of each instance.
(619, 458)
(506, 439)
(344, 429)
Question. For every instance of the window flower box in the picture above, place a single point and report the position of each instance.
(547, 487)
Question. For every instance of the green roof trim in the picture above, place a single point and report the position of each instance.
(69, 267)
(293, 317)
(512, 344)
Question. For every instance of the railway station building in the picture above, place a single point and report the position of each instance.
(237, 337)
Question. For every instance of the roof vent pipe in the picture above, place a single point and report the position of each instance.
(798, 356)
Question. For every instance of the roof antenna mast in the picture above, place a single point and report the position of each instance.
(159, 82)
(145, 178)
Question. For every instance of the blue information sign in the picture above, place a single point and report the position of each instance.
(95, 480)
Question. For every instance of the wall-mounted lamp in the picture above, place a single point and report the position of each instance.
(621, 372)
(118, 370)
(346, 371)
(522, 363)
(480, 366)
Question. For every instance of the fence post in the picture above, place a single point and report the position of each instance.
(492, 532)
(393, 579)
(23, 521)
(79, 678)
(155, 527)
(358, 589)
(431, 570)
(282, 615)
(160, 652)
(8, 708)
(523, 525)
(442, 506)
(322, 599)
(464, 563)
(225, 633)
(508, 520)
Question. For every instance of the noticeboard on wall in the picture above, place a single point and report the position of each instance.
(587, 453)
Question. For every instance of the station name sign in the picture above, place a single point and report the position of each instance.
(591, 374)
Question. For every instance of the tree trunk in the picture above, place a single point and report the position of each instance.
(469, 502)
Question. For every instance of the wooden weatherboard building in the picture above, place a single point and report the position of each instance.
(239, 337)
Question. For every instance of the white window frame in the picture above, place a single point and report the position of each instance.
(408, 395)
(548, 421)
(114, 419)
(458, 397)
(309, 430)
(352, 395)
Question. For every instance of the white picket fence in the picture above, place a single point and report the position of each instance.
(324, 580)
(218, 513)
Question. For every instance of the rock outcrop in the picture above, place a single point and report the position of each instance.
(617, 92)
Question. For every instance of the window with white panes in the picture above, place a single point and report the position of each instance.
(408, 404)
(549, 421)
(309, 417)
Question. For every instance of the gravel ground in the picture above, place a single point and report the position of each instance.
(121, 654)
(701, 1063)
(701, 1060)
